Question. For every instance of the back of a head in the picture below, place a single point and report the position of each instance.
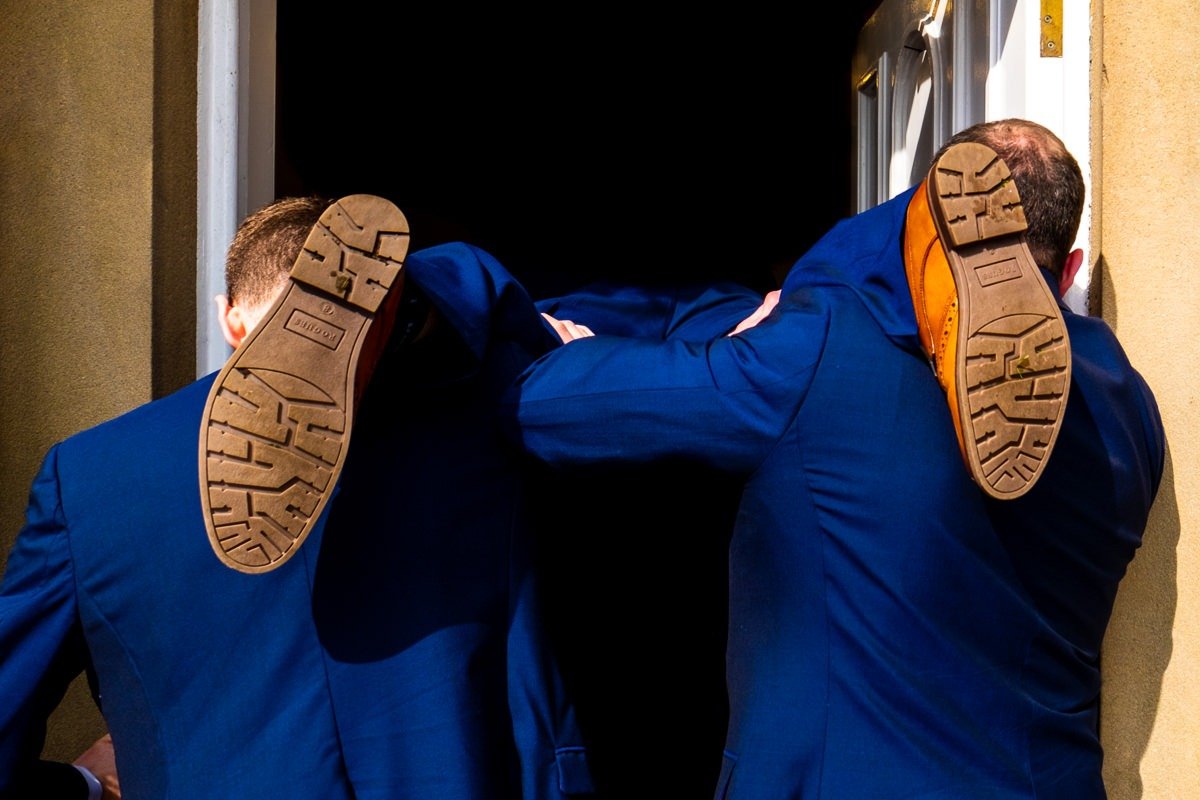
(1048, 178)
(266, 245)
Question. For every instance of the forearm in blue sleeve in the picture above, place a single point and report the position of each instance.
(691, 313)
(723, 403)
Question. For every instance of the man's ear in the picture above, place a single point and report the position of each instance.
(1072, 265)
(231, 320)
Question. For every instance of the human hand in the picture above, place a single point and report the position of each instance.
(567, 330)
(100, 759)
(770, 300)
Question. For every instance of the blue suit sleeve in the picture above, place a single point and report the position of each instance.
(723, 403)
(692, 313)
(40, 635)
(479, 298)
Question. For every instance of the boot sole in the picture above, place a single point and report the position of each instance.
(276, 426)
(1013, 359)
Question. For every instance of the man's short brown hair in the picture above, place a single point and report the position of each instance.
(266, 245)
(1048, 178)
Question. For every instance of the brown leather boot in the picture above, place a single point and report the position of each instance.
(987, 320)
(276, 427)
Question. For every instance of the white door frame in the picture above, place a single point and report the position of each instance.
(235, 152)
(910, 60)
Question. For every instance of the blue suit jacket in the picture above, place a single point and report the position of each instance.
(892, 632)
(399, 655)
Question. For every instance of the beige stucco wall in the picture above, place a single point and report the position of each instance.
(1149, 118)
(97, 235)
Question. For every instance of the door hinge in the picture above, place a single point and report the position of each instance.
(1052, 28)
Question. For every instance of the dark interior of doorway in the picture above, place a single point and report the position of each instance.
(635, 146)
(603, 143)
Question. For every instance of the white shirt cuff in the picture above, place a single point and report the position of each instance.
(95, 790)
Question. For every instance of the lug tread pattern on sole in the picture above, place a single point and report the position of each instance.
(276, 427)
(1014, 355)
(355, 252)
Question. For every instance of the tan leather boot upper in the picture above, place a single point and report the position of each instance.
(935, 299)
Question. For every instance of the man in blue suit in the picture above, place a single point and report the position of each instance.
(896, 629)
(400, 656)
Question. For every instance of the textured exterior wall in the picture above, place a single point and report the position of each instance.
(75, 94)
(1148, 114)
(91, 197)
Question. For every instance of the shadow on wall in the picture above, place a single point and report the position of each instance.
(1138, 646)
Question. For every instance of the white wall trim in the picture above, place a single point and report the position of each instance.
(235, 152)
(1053, 91)
(216, 169)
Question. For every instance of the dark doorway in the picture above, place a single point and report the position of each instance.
(636, 146)
(618, 144)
